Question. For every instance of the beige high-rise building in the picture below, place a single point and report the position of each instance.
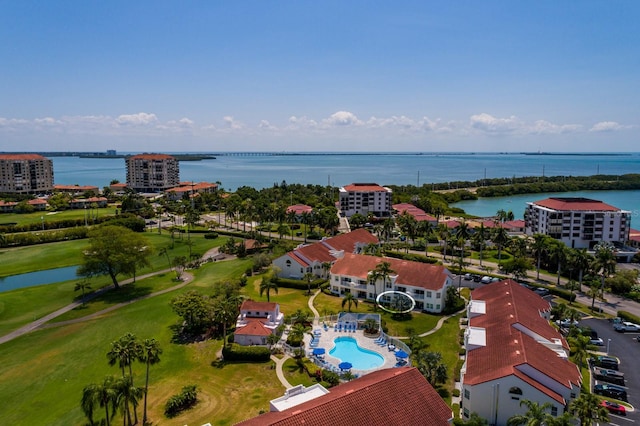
(152, 172)
(25, 173)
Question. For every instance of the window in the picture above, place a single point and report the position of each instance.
(554, 411)
(437, 307)
(515, 390)
(467, 394)
(288, 262)
(336, 278)
(438, 295)
(428, 294)
(466, 412)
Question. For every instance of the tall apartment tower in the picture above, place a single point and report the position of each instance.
(25, 173)
(152, 172)
(365, 198)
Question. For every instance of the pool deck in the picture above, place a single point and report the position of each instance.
(326, 338)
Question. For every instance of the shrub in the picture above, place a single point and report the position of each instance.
(455, 392)
(235, 352)
(628, 316)
(187, 398)
(211, 235)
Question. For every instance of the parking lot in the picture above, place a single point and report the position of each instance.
(626, 348)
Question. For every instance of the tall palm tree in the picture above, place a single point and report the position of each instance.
(326, 267)
(127, 398)
(225, 311)
(579, 348)
(581, 261)
(163, 252)
(150, 355)
(479, 239)
(349, 299)
(308, 277)
(588, 410)
(268, 284)
(83, 285)
(103, 394)
(536, 414)
(559, 254)
(382, 270)
(539, 246)
(443, 233)
(604, 263)
(124, 352)
(500, 238)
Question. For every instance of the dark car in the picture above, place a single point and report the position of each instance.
(606, 375)
(605, 362)
(611, 391)
(476, 278)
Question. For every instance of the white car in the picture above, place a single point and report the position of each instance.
(486, 279)
(596, 341)
(566, 322)
(626, 327)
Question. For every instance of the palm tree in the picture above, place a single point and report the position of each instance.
(581, 260)
(349, 298)
(308, 277)
(443, 234)
(500, 238)
(382, 270)
(150, 355)
(225, 311)
(326, 267)
(84, 286)
(479, 239)
(103, 394)
(604, 263)
(579, 347)
(536, 414)
(127, 397)
(587, 409)
(124, 351)
(559, 254)
(163, 252)
(539, 246)
(268, 284)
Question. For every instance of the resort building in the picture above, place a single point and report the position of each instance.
(318, 257)
(578, 222)
(418, 214)
(426, 284)
(190, 190)
(37, 204)
(514, 354)
(256, 321)
(365, 199)
(25, 173)
(152, 172)
(85, 203)
(394, 396)
(76, 189)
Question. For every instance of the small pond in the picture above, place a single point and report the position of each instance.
(31, 279)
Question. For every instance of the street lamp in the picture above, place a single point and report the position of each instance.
(42, 219)
(608, 343)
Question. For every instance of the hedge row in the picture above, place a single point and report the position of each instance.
(235, 352)
(628, 316)
(299, 284)
(412, 257)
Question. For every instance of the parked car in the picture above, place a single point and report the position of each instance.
(607, 375)
(614, 408)
(468, 277)
(611, 391)
(566, 322)
(605, 362)
(486, 279)
(476, 278)
(541, 291)
(626, 326)
(596, 341)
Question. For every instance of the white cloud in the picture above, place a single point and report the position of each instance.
(265, 125)
(342, 118)
(491, 124)
(608, 126)
(545, 127)
(139, 119)
(232, 124)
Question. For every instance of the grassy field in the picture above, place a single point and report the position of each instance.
(38, 217)
(43, 373)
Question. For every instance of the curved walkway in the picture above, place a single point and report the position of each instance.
(279, 363)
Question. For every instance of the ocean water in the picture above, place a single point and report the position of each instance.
(342, 169)
(261, 171)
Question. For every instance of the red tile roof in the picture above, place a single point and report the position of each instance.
(509, 351)
(252, 305)
(575, 204)
(254, 327)
(418, 214)
(21, 157)
(348, 241)
(395, 396)
(417, 274)
(365, 187)
(75, 187)
(299, 209)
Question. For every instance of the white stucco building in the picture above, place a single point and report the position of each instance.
(577, 222)
(512, 354)
(426, 284)
(317, 257)
(365, 198)
(256, 321)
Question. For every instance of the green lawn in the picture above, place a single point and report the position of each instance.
(38, 217)
(43, 373)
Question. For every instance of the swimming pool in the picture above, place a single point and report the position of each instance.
(347, 349)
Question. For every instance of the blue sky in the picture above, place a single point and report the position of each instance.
(319, 76)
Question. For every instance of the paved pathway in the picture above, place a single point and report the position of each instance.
(279, 363)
